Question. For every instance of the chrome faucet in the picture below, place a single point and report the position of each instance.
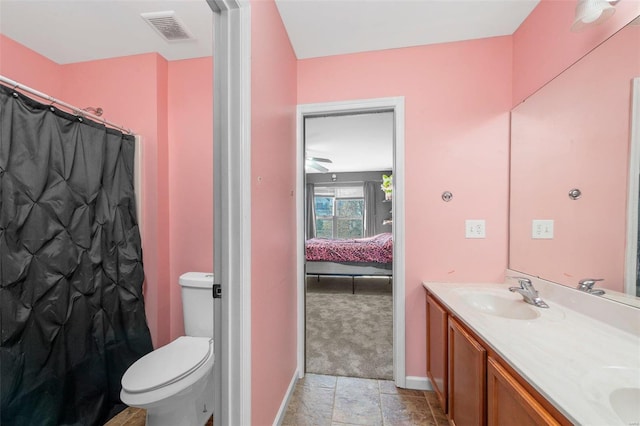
(528, 292)
(587, 284)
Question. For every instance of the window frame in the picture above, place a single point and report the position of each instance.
(335, 218)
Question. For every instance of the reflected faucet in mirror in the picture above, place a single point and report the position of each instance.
(587, 284)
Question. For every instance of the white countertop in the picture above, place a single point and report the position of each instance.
(572, 359)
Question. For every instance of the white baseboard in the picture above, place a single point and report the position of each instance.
(418, 383)
(285, 401)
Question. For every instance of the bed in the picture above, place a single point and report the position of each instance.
(372, 256)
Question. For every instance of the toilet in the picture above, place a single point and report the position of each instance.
(174, 383)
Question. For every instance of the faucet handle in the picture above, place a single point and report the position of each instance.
(588, 283)
(525, 283)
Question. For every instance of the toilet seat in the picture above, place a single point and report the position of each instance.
(167, 365)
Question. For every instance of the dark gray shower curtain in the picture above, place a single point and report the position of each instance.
(72, 310)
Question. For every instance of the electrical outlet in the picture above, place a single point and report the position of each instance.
(542, 229)
(474, 228)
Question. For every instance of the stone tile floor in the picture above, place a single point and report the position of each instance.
(336, 401)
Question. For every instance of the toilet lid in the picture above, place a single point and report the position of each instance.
(167, 364)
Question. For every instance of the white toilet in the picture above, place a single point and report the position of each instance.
(174, 383)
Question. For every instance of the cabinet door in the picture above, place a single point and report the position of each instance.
(467, 378)
(509, 403)
(437, 349)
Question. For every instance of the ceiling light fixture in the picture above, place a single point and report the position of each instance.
(592, 12)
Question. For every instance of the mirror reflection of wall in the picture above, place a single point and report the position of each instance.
(574, 133)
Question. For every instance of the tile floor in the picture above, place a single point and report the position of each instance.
(335, 401)
(339, 401)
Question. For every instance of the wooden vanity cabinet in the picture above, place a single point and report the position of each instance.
(437, 349)
(474, 384)
(467, 377)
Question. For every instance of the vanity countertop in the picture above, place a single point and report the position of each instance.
(572, 359)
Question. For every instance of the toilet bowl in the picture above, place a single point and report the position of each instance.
(174, 383)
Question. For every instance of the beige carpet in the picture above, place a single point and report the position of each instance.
(350, 334)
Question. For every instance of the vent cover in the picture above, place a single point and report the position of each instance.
(167, 25)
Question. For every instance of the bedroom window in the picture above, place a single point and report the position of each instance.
(339, 211)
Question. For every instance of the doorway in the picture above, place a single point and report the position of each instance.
(349, 244)
(395, 106)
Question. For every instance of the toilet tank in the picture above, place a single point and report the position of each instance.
(197, 303)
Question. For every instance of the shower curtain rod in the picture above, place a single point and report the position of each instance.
(74, 109)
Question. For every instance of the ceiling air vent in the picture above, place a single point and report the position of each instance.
(167, 25)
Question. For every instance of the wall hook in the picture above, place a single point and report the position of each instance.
(575, 193)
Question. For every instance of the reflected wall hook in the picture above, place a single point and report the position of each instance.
(575, 193)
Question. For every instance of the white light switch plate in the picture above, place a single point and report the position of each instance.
(474, 228)
(542, 229)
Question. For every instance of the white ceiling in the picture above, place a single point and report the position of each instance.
(332, 27)
(68, 31)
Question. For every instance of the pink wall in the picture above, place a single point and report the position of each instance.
(190, 175)
(170, 106)
(457, 101)
(29, 68)
(574, 133)
(163, 203)
(273, 218)
(543, 46)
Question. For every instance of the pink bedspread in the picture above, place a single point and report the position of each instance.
(376, 249)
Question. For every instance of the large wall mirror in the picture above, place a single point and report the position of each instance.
(570, 171)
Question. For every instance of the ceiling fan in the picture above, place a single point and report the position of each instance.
(312, 162)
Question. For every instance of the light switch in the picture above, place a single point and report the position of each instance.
(542, 229)
(475, 228)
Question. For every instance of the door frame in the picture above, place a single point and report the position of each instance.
(396, 104)
(232, 210)
(631, 261)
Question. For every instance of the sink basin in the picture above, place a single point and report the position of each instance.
(626, 403)
(500, 306)
(620, 387)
